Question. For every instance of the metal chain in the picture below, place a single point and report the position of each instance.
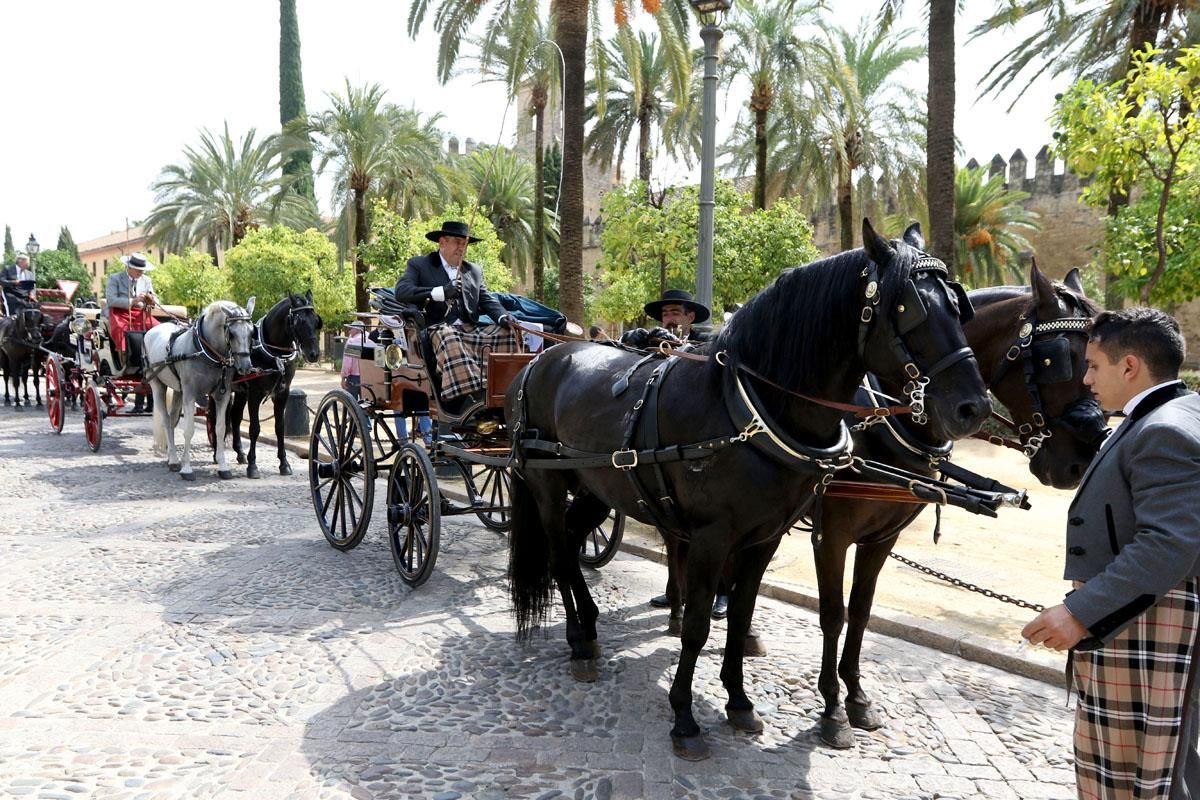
(970, 587)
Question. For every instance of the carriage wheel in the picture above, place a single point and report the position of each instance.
(341, 470)
(55, 382)
(414, 514)
(93, 416)
(602, 542)
(493, 489)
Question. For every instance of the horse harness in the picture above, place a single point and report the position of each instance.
(283, 356)
(201, 348)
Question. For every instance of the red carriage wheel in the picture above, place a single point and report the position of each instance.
(55, 387)
(93, 417)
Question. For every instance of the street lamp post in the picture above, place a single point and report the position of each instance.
(32, 248)
(711, 34)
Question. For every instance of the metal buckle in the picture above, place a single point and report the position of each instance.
(620, 453)
(867, 314)
(912, 370)
(1013, 353)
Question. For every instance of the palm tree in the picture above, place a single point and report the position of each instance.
(766, 50)
(520, 54)
(221, 190)
(503, 184)
(376, 149)
(991, 225)
(638, 98)
(571, 20)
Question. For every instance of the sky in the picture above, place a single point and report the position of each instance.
(98, 97)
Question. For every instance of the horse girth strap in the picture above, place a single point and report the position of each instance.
(656, 500)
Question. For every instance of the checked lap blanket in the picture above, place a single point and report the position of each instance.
(461, 354)
(1133, 694)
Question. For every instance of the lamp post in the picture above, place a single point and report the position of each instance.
(32, 248)
(711, 34)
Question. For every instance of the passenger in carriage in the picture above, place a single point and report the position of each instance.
(12, 294)
(129, 298)
(453, 295)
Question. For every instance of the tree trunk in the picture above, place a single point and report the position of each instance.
(291, 95)
(760, 158)
(539, 195)
(845, 203)
(571, 31)
(939, 146)
(360, 236)
(644, 160)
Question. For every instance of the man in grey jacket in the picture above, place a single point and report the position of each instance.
(128, 298)
(1133, 557)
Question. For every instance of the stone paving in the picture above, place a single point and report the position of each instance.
(161, 640)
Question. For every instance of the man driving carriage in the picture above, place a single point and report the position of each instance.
(129, 298)
(453, 295)
(16, 284)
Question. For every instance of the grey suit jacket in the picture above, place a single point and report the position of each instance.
(424, 273)
(1133, 529)
(119, 289)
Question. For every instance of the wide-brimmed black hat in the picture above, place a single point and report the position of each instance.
(677, 297)
(453, 228)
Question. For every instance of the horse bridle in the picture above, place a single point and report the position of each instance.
(206, 349)
(1034, 434)
(289, 352)
(914, 389)
(29, 322)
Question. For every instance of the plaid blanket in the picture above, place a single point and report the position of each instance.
(1132, 696)
(461, 354)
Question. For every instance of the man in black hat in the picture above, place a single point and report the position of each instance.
(678, 311)
(453, 295)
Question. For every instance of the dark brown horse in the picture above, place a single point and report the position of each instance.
(740, 454)
(1041, 384)
(20, 353)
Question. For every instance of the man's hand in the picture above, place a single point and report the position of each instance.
(505, 322)
(640, 337)
(659, 335)
(450, 291)
(1056, 628)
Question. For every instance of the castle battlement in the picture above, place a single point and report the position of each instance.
(1050, 176)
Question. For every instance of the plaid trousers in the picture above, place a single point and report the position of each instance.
(1133, 694)
(461, 354)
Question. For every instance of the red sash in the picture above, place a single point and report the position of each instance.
(121, 320)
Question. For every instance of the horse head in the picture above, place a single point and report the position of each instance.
(911, 334)
(304, 325)
(229, 329)
(30, 326)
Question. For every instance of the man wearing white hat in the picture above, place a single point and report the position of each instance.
(129, 297)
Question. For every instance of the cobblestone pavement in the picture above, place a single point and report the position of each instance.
(161, 639)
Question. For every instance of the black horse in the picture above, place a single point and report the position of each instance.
(1060, 426)
(750, 403)
(291, 327)
(20, 353)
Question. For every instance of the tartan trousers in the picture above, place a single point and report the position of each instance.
(1137, 704)
(461, 354)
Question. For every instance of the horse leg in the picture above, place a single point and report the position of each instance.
(189, 427)
(255, 402)
(748, 566)
(868, 562)
(279, 406)
(37, 373)
(830, 558)
(237, 408)
(583, 515)
(706, 558)
(677, 550)
(223, 471)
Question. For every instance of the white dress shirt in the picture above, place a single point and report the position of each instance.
(438, 293)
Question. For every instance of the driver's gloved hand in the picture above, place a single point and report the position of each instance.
(637, 337)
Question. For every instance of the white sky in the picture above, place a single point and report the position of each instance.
(98, 96)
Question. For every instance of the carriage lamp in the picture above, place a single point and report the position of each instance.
(710, 6)
(80, 325)
(393, 356)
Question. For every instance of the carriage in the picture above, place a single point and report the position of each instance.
(99, 377)
(462, 469)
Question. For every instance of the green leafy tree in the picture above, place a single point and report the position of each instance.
(191, 280)
(642, 242)
(10, 252)
(1137, 131)
(67, 242)
(394, 240)
(298, 163)
(53, 265)
(270, 262)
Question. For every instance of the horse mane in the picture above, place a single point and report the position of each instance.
(995, 294)
(804, 326)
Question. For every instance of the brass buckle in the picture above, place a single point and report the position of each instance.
(632, 454)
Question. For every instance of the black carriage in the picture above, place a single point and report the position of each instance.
(355, 441)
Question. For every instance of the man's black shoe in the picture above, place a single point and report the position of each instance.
(720, 608)
(661, 601)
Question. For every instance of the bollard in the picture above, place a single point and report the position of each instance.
(295, 414)
(339, 348)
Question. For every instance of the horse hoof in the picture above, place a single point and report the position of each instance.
(225, 474)
(690, 748)
(285, 469)
(744, 719)
(174, 467)
(18, 407)
(675, 626)
(594, 646)
(583, 670)
(863, 716)
(252, 471)
(187, 476)
(836, 733)
(754, 647)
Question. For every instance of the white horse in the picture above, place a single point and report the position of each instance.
(195, 361)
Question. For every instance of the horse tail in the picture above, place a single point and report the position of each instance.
(529, 559)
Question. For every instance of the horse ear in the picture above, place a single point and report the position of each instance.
(877, 248)
(1074, 281)
(250, 306)
(912, 235)
(308, 297)
(1043, 289)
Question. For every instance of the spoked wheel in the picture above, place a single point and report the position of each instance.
(341, 470)
(493, 491)
(56, 406)
(414, 514)
(602, 542)
(93, 416)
